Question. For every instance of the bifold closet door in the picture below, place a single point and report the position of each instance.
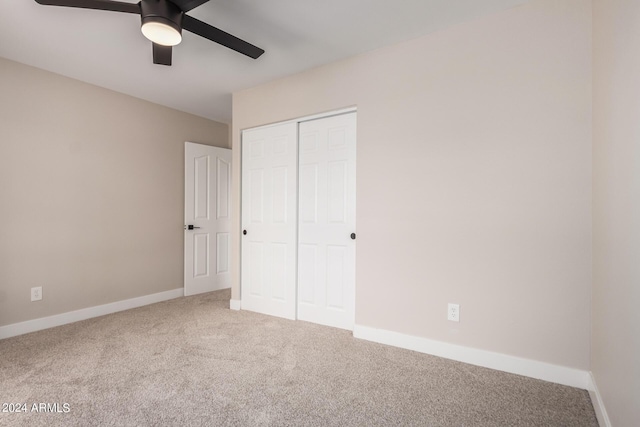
(326, 218)
(269, 224)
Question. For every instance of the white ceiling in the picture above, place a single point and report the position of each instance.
(107, 48)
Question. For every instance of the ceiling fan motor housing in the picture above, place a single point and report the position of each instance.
(161, 11)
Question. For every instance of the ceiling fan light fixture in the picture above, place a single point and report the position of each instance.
(162, 22)
(161, 33)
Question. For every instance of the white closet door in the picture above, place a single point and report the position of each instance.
(327, 214)
(269, 205)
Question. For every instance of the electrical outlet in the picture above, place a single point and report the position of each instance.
(36, 293)
(453, 312)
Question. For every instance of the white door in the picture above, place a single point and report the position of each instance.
(269, 227)
(207, 216)
(327, 217)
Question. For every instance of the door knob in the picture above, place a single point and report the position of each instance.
(353, 236)
(191, 227)
(244, 232)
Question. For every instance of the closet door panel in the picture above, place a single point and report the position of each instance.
(326, 271)
(269, 211)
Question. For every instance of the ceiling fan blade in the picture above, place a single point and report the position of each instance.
(187, 5)
(161, 54)
(115, 6)
(221, 37)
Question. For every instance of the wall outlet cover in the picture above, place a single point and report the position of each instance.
(36, 293)
(453, 312)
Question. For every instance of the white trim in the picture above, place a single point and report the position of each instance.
(502, 362)
(86, 313)
(235, 304)
(327, 114)
(598, 403)
(305, 118)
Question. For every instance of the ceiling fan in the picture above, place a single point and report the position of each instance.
(163, 22)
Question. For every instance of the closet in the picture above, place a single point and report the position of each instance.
(298, 219)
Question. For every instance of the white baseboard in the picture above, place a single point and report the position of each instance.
(234, 304)
(85, 313)
(502, 362)
(598, 404)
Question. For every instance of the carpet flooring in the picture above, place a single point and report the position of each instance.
(193, 362)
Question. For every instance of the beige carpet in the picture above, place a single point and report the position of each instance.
(194, 362)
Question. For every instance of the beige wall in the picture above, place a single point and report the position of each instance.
(473, 180)
(616, 213)
(91, 193)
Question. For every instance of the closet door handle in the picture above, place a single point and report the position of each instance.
(353, 236)
(244, 232)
